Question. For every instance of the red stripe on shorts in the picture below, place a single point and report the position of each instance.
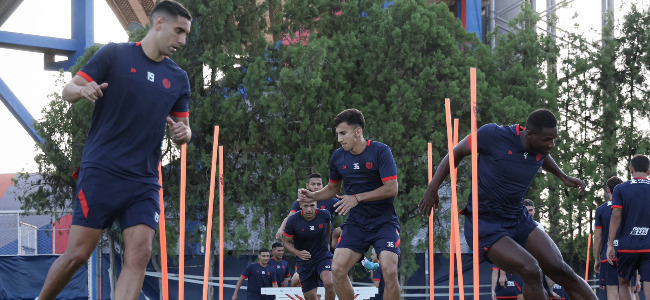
(84, 204)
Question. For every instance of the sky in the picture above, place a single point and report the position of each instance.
(24, 74)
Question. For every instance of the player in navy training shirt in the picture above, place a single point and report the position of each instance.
(505, 285)
(259, 274)
(136, 89)
(510, 158)
(307, 236)
(280, 265)
(368, 173)
(608, 279)
(629, 225)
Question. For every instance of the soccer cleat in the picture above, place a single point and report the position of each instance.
(370, 266)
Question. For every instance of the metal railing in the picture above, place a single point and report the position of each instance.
(25, 233)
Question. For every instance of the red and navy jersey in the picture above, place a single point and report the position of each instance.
(310, 235)
(378, 276)
(281, 269)
(364, 173)
(258, 277)
(512, 288)
(633, 198)
(505, 171)
(603, 215)
(128, 123)
(327, 205)
(560, 292)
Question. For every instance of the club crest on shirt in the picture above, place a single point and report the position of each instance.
(320, 226)
(369, 165)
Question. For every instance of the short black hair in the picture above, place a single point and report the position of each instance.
(170, 8)
(314, 175)
(528, 202)
(263, 250)
(352, 116)
(612, 182)
(540, 119)
(640, 163)
(277, 244)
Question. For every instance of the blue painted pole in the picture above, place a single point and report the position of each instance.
(19, 111)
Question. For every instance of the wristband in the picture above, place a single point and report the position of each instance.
(355, 197)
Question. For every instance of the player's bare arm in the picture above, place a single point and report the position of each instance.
(388, 190)
(288, 245)
(550, 166)
(80, 88)
(430, 198)
(278, 234)
(598, 233)
(179, 129)
(614, 224)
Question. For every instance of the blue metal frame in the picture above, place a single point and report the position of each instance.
(83, 35)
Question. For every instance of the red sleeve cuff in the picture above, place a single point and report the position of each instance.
(335, 181)
(180, 114)
(85, 76)
(617, 206)
(389, 178)
(287, 234)
(376, 279)
(598, 227)
(244, 276)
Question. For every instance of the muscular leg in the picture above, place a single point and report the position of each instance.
(81, 244)
(344, 260)
(295, 280)
(389, 262)
(625, 290)
(328, 283)
(512, 258)
(335, 237)
(612, 291)
(540, 246)
(646, 289)
(310, 295)
(137, 243)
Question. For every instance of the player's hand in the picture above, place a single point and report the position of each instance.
(611, 254)
(574, 183)
(502, 281)
(178, 131)
(597, 266)
(234, 297)
(429, 202)
(494, 296)
(278, 235)
(555, 295)
(304, 255)
(344, 206)
(304, 195)
(92, 91)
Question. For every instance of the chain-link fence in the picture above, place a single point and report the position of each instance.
(24, 233)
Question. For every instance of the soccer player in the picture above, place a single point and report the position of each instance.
(259, 275)
(505, 285)
(629, 225)
(368, 173)
(307, 236)
(280, 265)
(136, 89)
(530, 207)
(608, 279)
(510, 158)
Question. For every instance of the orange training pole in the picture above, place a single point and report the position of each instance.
(208, 238)
(588, 250)
(163, 239)
(181, 234)
(474, 149)
(456, 231)
(454, 241)
(431, 232)
(221, 253)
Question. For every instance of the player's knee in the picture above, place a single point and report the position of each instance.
(531, 272)
(328, 283)
(138, 257)
(559, 272)
(77, 258)
(390, 275)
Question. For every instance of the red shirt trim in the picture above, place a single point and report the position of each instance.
(335, 181)
(634, 251)
(368, 142)
(640, 178)
(598, 227)
(617, 206)
(294, 211)
(180, 114)
(85, 76)
(287, 234)
(244, 277)
(389, 178)
(137, 44)
(376, 279)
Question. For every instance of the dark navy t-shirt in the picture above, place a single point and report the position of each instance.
(281, 269)
(603, 215)
(310, 235)
(322, 204)
(364, 173)
(505, 171)
(633, 198)
(128, 123)
(258, 277)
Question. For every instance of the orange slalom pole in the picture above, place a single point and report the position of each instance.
(431, 232)
(181, 234)
(474, 149)
(221, 254)
(163, 239)
(454, 241)
(456, 231)
(588, 250)
(208, 237)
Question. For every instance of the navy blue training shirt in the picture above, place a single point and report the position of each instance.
(310, 235)
(505, 171)
(603, 215)
(258, 277)
(633, 198)
(281, 269)
(128, 123)
(364, 173)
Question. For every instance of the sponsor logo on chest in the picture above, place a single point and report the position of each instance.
(639, 231)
